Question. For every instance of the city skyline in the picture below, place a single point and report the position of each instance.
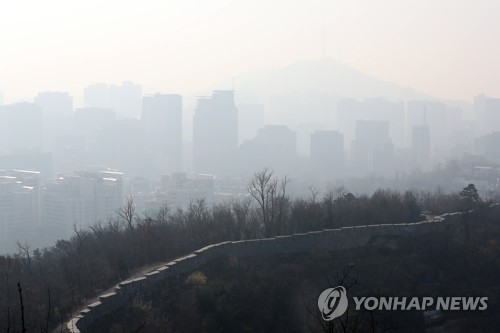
(318, 117)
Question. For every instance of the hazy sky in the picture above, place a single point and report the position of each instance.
(448, 48)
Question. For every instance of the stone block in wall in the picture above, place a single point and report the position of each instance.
(138, 282)
(258, 247)
(107, 298)
(127, 288)
(237, 248)
(207, 252)
(173, 268)
(93, 313)
(283, 244)
(314, 237)
(221, 249)
(84, 312)
(153, 276)
(94, 305)
(251, 247)
(186, 263)
(270, 246)
(163, 271)
(110, 302)
(351, 237)
(328, 240)
(203, 255)
(75, 324)
(300, 242)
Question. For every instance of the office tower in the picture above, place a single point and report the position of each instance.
(120, 145)
(274, 146)
(88, 120)
(55, 104)
(96, 95)
(124, 99)
(372, 150)
(57, 113)
(20, 127)
(215, 134)
(278, 138)
(162, 124)
(487, 111)
(421, 146)
(375, 109)
(327, 154)
(436, 115)
(250, 119)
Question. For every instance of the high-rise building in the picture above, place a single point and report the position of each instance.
(80, 147)
(327, 154)
(57, 113)
(90, 119)
(125, 99)
(96, 96)
(215, 134)
(487, 111)
(80, 199)
(55, 104)
(372, 150)
(274, 146)
(120, 145)
(19, 207)
(375, 109)
(162, 123)
(421, 145)
(436, 118)
(20, 127)
(28, 160)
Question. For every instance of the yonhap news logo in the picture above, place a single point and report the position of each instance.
(333, 303)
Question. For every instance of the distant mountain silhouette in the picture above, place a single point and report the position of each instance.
(324, 75)
(309, 90)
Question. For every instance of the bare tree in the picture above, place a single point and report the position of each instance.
(270, 193)
(127, 213)
(245, 218)
(163, 214)
(24, 253)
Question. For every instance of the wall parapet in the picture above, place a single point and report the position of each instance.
(327, 239)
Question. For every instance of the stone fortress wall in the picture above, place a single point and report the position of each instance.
(325, 240)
